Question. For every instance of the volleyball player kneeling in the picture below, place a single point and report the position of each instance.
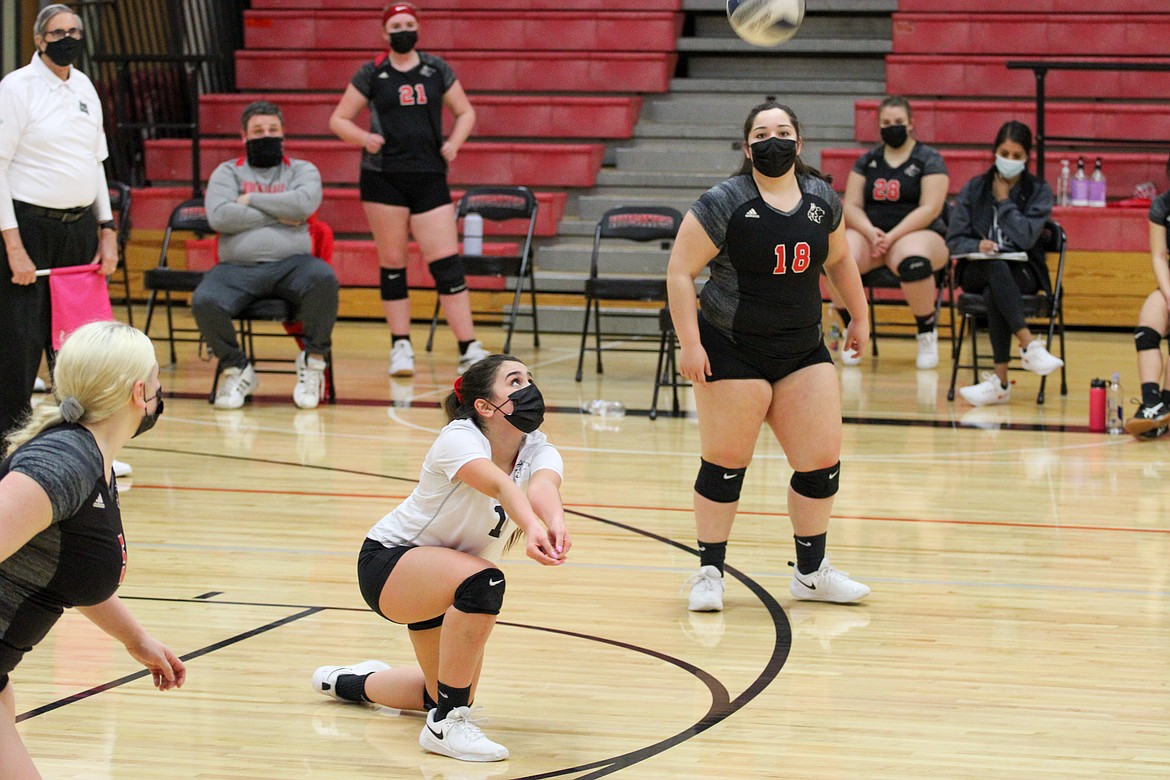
(489, 478)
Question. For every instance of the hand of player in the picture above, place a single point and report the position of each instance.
(107, 252)
(374, 143)
(542, 549)
(165, 667)
(23, 270)
(1000, 187)
(856, 335)
(693, 364)
(879, 243)
(559, 536)
(449, 151)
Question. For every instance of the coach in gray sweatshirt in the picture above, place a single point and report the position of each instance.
(260, 205)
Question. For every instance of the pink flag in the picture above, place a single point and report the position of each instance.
(79, 295)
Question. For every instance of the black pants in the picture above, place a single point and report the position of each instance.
(25, 327)
(1003, 284)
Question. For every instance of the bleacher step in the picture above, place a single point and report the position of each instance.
(779, 86)
(841, 47)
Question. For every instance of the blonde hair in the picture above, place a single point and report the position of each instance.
(93, 377)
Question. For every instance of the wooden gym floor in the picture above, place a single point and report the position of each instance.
(1019, 624)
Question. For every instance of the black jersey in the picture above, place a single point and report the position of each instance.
(80, 559)
(1160, 213)
(892, 193)
(407, 110)
(765, 288)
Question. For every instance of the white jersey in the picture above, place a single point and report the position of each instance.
(445, 512)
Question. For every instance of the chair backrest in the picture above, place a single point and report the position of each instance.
(640, 223)
(1054, 241)
(498, 203)
(189, 215)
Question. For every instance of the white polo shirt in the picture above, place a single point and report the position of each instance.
(445, 512)
(52, 142)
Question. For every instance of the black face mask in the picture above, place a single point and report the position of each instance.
(149, 419)
(527, 409)
(65, 51)
(774, 156)
(894, 136)
(403, 41)
(265, 152)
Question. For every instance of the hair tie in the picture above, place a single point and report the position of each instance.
(458, 389)
(71, 409)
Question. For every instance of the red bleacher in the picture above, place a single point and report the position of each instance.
(469, 30)
(497, 116)
(993, 6)
(975, 122)
(478, 71)
(939, 75)
(1023, 35)
(374, 7)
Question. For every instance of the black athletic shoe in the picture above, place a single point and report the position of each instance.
(1148, 418)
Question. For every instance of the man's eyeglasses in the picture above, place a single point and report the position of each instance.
(56, 35)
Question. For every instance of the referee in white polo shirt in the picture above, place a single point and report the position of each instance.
(54, 200)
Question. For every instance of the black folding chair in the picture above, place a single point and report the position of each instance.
(499, 204)
(666, 375)
(625, 223)
(883, 279)
(120, 204)
(1043, 312)
(189, 216)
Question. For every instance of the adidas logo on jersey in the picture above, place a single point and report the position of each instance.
(815, 213)
(751, 214)
(99, 503)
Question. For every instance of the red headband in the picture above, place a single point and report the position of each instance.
(459, 389)
(399, 8)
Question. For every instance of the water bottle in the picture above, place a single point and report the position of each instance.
(1114, 414)
(1097, 186)
(1097, 406)
(473, 234)
(1062, 184)
(602, 408)
(834, 329)
(1078, 190)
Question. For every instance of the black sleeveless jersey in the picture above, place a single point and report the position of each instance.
(892, 193)
(80, 559)
(764, 290)
(407, 110)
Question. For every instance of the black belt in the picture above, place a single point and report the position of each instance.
(61, 215)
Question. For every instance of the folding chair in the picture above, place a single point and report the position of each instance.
(191, 216)
(666, 375)
(120, 204)
(883, 278)
(1042, 311)
(628, 223)
(499, 204)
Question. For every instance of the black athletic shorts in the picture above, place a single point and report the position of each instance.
(419, 192)
(736, 361)
(375, 562)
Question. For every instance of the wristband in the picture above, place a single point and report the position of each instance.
(109, 224)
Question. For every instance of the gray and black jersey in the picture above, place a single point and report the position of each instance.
(893, 192)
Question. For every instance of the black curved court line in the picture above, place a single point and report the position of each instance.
(186, 657)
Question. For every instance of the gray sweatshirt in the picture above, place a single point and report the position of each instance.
(255, 233)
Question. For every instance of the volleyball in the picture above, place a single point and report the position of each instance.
(765, 22)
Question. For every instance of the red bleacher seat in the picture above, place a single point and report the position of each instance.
(469, 30)
(986, 76)
(1023, 35)
(478, 71)
(1122, 169)
(537, 165)
(997, 6)
(497, 116)
(374, 7)
(152, 206)
(975, 122)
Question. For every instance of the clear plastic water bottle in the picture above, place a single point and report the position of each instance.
(1097, 186)
(601, 408)
(1078, 190)
(1062, 184)
(473, 234)
(1114, 413)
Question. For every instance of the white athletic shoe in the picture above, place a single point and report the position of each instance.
(39, 386)
(458, 735)
(475, 353)
(927, 350)
(987, 392)
(122, 469)
(850, 357)
(1037, 359)
(310, 381)
(826, 584)
(402, 359)
(706, 590)
(235, 386)
(325, 678)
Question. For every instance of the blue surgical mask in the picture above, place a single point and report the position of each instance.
(1009, 169)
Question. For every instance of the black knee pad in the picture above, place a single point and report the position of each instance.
(426, 625)
(914, 268)
(1146, 338)
(821, 483)
(393, 284)
(482, 593)
(448, 273)
(719, 484)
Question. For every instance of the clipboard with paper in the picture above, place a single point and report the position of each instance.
(1018, 257)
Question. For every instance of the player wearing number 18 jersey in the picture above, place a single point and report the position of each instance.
(755, 353)
(431, 563)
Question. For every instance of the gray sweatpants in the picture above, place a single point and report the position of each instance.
(306, 282)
